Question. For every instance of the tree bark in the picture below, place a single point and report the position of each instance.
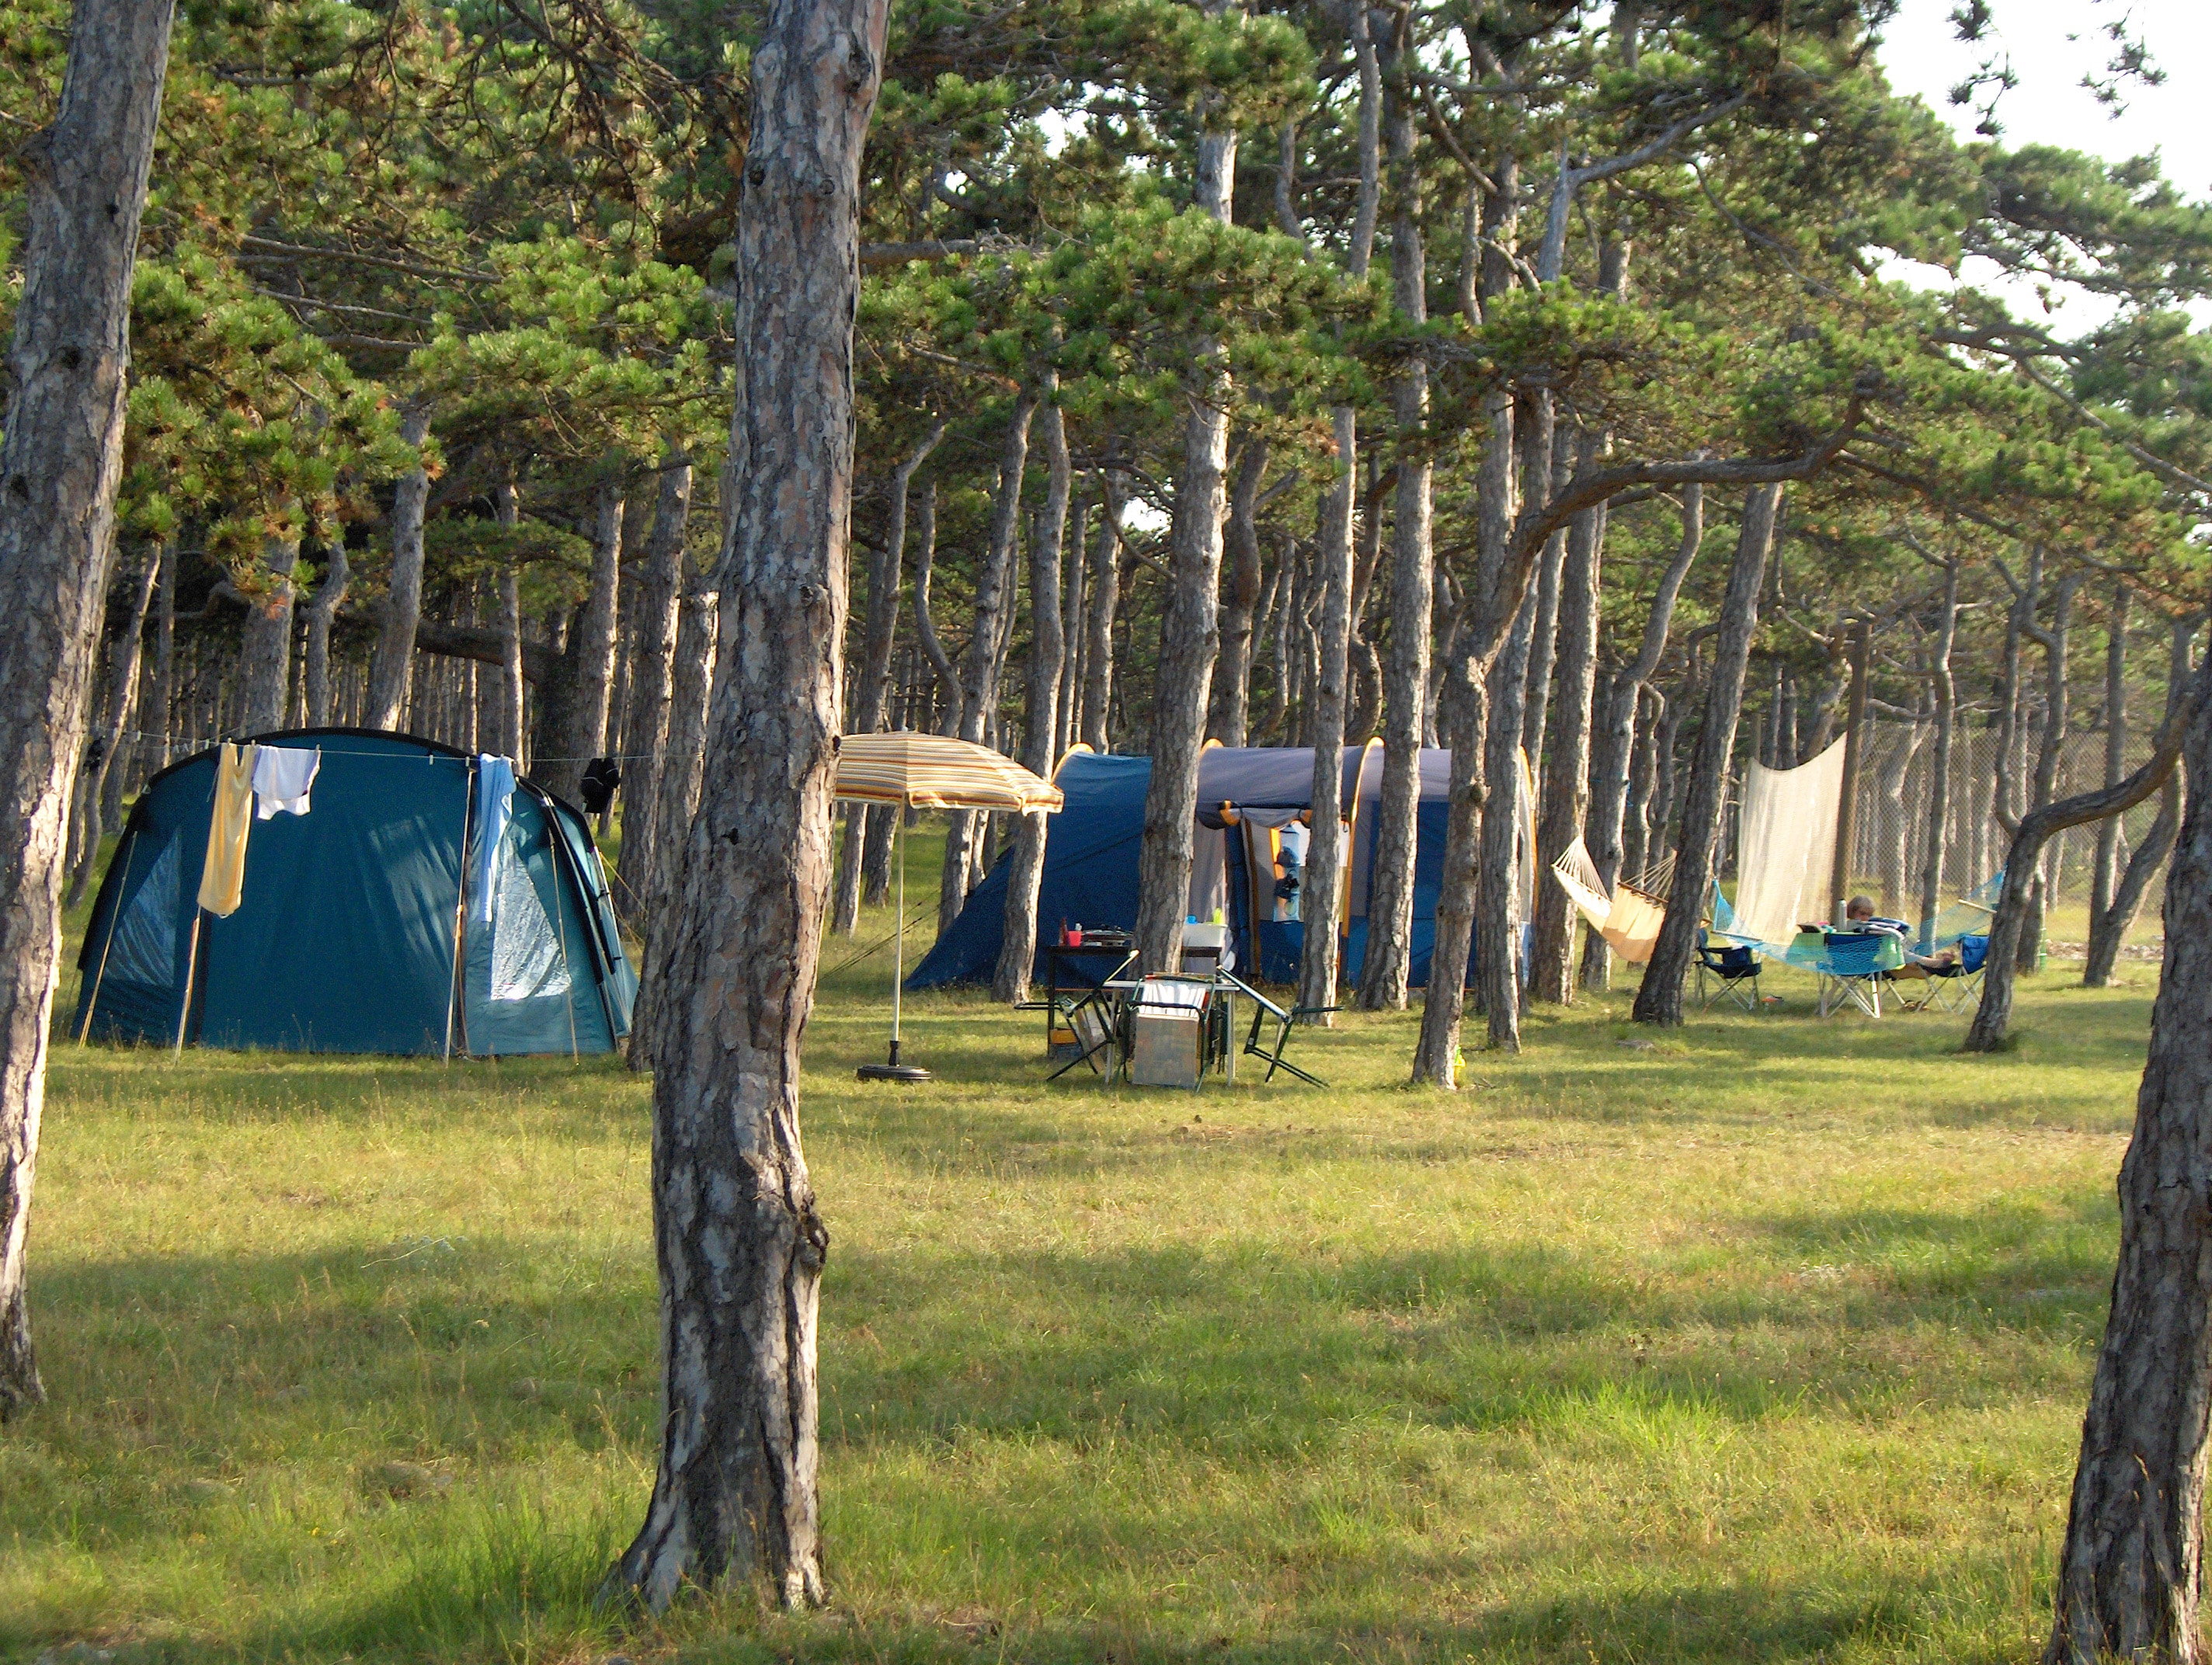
(652, 655)
(1614, 751)
(741, 1245)
(678, 783)
(322, 607)
(394, 653)
(1564, 801)
(979, 684)
(2052, 749)
(2131, 1560)
(84, 184)
(1189, 635)
(1384, 971)
(264, 651)
(1047, 648)
(2108, 930)
(1659, 998)
(1232, 678)
(2008, 927)
(123, 684)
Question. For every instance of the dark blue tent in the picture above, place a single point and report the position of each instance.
(1091, 859)
(358, 931)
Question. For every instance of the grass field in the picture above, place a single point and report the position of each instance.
(1765, 1341)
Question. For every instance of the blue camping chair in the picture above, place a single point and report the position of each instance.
(1727, 975)
(1956, 986)
(1851, 966)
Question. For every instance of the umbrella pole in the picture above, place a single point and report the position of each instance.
(893, 1070)
(898, 953)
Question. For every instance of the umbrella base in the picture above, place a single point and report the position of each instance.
(908, 1073)
(893, 1070)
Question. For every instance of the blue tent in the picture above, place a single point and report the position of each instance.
(1091, 859)
(359, 930)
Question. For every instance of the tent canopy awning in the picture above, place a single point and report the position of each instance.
(931, 772)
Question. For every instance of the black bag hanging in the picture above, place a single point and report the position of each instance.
(597, 786)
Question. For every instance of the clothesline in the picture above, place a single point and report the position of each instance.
(328, 749)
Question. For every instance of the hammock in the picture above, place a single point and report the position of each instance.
(1629, 920)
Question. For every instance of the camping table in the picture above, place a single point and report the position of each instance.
(1221, 1009)
(1058, 954)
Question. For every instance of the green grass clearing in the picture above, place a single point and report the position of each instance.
(1766, 1341)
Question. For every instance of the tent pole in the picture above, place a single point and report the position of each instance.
(191, 969)
(130, 845)
(460, 902)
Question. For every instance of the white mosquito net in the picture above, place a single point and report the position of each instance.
(1785, 843)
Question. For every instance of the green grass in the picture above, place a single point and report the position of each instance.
(1766, 1342)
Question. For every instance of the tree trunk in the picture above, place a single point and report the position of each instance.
(1105, 600)
(161, 694)
(1321, 905)
(2008, 925)
(1188, 634)
(679, 782)
(84, 184)
(2104, 866)
(1497, 892)
(1896, 839)
(1614, 752)
(1564, 801)
(925, 624)
(403, 610)
(740, 1243)
(123, 684)
(979, 688)
(573, 712)
(264, 651)
(1232, 678)
(514, 728)
(2108, 932)
(330, 595)
(1543, 651)
(1659, 998)
(1945, 688)
(1017, 947)
(2130, 1562)
(1384, 971)
(652, 655)
(872, 685)
(2049, 752)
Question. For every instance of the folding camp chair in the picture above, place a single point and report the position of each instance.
(1094, 1039)
(1956, 986)
(1729, 975)
(1285, 1020)
(1850, 969)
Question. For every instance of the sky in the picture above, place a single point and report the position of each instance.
(2051, 44)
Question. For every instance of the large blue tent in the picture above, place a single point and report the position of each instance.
(367, 924)
(1091, 859)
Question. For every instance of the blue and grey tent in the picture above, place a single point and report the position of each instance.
(1091, 859)
(370, 924)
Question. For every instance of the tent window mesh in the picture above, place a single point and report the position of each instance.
(526, 961)
(143, 948)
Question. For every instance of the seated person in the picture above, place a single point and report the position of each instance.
(1859, 919)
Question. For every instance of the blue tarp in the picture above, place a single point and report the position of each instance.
(346, 938)
(1090, 860)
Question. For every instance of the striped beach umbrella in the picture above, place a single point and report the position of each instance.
(911, 771)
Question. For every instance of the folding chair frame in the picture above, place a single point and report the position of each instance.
(1286, 1020)
(1862, 989)
(1715, 986)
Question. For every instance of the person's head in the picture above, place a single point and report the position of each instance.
(1859, 907)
